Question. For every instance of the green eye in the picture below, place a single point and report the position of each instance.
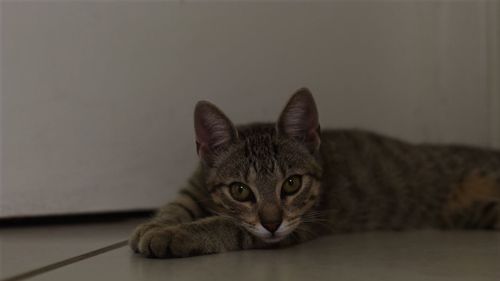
(292, 185)
(240, 192)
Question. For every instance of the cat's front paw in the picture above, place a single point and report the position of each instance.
(139, 232)
(168, 241)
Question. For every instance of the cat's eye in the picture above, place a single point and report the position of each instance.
(240, 192)
(291, 185)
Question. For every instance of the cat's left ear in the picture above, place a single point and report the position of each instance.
(299, 120)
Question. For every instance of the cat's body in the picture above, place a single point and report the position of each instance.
(377, 182)
(268, 185)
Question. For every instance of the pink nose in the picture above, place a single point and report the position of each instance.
(271, 226)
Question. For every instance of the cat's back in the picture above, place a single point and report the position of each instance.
(373, 150)
(357, 143)
(363, 141)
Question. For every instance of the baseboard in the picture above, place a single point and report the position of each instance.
(75, 218)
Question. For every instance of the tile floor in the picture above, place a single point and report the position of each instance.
(63, 254)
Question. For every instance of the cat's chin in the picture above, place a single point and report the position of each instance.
(272, 240)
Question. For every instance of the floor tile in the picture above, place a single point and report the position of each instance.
(26, 248)
(423, 255)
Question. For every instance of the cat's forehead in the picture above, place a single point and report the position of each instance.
(253, 158)
(260, 156)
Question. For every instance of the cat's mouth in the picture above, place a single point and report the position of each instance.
(269, 237)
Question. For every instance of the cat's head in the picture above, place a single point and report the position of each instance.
(266, 176)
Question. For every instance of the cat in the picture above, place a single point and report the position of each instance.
(268, 185)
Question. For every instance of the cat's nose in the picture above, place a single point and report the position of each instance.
(271, 226)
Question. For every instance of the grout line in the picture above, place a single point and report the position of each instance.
(62, 263)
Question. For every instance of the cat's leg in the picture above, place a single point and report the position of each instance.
(212, 235)
(205, 236)
(475, 202)
(485, 215)
(478, 215)
(186, 208)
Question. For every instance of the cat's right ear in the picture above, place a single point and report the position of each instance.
(299, 120)
(213, 130)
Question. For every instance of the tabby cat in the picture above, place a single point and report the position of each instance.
(271, 185)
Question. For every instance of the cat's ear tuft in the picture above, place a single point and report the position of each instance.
(212, 128)
(299, 119)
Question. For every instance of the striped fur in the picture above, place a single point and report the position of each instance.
(353, 181)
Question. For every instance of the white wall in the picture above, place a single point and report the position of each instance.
(97, 98)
